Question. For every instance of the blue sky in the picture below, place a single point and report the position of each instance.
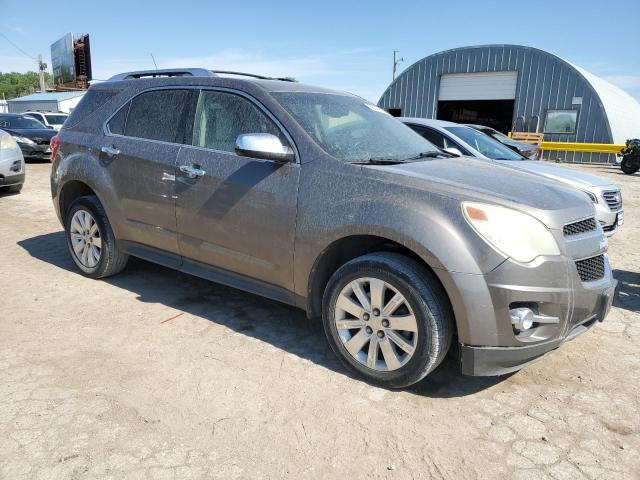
(337, 44)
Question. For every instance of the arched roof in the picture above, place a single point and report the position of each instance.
(622, 110)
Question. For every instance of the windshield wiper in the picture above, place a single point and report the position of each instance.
(377, 161)
(431, 154)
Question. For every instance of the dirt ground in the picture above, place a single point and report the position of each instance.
(154, 374)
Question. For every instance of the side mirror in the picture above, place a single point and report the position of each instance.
(454, 151)
(263, 145)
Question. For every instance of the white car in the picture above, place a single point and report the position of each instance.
(463, 140)
(49, 119)
(12, 170)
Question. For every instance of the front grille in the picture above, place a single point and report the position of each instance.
(42, 141)
(582, 226)
(591, 269)
(613, 199)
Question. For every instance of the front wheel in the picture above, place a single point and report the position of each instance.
(91, 241)
(388, 319)
(629, 167)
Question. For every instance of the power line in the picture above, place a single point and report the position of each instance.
(17, 47)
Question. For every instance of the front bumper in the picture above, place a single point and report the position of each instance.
(492, 361)
(9, 180)
(569, 292)
(35, 151)
(608, 219)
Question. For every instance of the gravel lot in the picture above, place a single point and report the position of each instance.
(154, 374)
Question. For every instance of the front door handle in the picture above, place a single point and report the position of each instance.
(192, 171)
(110, 151)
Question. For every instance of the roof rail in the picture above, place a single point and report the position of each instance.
(252, 75)
(167, 72)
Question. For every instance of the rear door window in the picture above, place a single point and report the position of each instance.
(155, 115)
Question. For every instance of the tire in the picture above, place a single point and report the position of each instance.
(424, 300)
(111, 260)
(628, 166)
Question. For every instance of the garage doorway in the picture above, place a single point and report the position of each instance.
(485, 98)
(496, 114)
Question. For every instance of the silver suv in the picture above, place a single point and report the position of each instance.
(322, 200)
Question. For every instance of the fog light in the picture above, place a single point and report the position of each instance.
(521, 318)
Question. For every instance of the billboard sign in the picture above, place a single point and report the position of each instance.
(63, 60)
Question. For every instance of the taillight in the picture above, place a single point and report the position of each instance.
(55, 144)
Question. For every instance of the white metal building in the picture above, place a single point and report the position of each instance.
(46, 102)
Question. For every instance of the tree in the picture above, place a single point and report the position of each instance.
(18, 84)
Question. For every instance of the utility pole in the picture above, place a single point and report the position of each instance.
(42, 67)
(396, 61)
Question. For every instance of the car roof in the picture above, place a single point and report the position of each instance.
(476, 126)
(12, 115)
(223, 79)
(45, 113)
(429, 122)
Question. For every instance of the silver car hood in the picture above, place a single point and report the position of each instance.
(569, 176)
(471, 179)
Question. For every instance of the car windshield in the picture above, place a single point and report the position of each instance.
(21, 122)
(56, 119)
(352, 130)
(484, 144)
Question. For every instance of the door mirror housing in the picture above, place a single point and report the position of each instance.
(454, 151)
(263, 145)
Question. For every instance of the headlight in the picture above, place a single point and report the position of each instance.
(510, 232)
(7, 142)
(592, 196)
(26, 140)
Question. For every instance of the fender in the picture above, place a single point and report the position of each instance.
(85, 165)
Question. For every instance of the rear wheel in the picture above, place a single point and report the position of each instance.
(629, 167)
(91, 241)
(387, 319)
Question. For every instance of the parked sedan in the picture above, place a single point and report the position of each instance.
(464, 140)
(11, 164)
(524, 149)
(32, 136)
(53, 120)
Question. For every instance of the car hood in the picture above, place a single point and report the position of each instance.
(471, 179)
(32, 133)
(569, 176)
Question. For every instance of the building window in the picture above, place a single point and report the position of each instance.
(561, 121)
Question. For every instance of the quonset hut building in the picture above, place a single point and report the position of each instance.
(519, 89)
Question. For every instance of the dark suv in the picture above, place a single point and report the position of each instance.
(322, 200)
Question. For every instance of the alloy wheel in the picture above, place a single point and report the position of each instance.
(85, 238)
(376, 324)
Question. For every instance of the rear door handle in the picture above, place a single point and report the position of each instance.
(192, 171)
(110, 151)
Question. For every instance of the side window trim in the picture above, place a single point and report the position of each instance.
(191, 111)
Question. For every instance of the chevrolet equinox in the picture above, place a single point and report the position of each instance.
(322, 200)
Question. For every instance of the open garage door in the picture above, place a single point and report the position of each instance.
(485, 98)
